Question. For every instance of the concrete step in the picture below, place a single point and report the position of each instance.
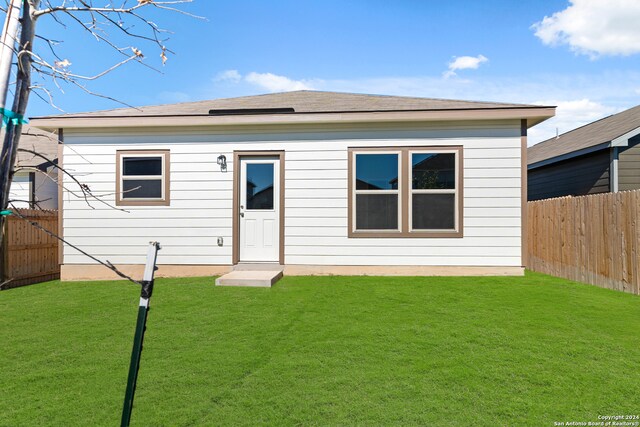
(253, 278)
(246, 266)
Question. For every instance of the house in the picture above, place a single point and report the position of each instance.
(600, 157)
(34, 184)
(318, 182)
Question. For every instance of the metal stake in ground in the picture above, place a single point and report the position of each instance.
(143, 309)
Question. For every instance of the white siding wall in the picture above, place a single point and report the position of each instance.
(316, 221)
(20, 190)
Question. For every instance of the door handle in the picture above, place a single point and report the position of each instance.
(241, 213)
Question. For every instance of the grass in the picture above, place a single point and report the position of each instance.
(454, 351)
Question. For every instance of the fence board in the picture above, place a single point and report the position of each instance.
(593, 239)
(30, 255)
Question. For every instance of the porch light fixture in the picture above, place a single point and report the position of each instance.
(222, 161)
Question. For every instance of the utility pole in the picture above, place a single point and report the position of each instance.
(7, 45)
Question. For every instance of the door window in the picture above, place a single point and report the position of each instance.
(259, 186)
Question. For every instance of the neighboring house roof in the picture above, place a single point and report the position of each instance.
(612, 130)
(42, 142)
(298, 107)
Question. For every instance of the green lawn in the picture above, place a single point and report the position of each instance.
(322, 351)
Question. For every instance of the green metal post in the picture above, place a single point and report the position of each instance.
(136, 352)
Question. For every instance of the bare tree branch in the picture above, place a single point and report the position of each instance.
(32, 203)
(53, 68)
(61, 73)
(85, 194)
(49, 95)
(70, 191)
(50, 43)
(100, 18)
(100, 95)
(122, 10)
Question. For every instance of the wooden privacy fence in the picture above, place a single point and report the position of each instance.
(593, 239)
(29, 255)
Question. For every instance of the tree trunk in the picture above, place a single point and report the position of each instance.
(23, 88)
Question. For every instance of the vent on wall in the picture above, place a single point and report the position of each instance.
(247, 111)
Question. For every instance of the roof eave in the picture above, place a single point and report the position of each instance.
(533, 115)
(620, 141)
(623, 140)
(570, 155)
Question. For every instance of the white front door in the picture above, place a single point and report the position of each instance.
(259, 209)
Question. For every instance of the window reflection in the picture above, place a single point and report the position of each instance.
(431, 171)
(259, 186)
(142, 166)
(376, 171)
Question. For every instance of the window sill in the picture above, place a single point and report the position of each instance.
(143, 203)
(403, 235)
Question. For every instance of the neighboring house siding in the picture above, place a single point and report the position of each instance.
(46, 189)
(20, 190)
(629, 166)
(315, 197)
(587, 174)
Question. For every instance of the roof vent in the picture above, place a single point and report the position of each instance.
(249, 111)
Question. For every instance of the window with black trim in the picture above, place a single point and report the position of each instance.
(409, 192)
(142, 178)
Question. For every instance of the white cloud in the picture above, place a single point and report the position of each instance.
(265, 81)
(275, 83)
(464, 63)
(228, 75)
(569, 115)
(594, 27)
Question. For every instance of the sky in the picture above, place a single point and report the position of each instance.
(582, 56)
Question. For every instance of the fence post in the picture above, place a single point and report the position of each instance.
(141, 326)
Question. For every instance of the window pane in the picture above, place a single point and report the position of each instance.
(149, 188)
(142, 166)
(259, 185)
(376, 212)
(376, 171)
(433, 171)
(433, 211)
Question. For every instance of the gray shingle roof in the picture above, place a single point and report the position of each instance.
(304, 101)
(44, 143)
(596, 133)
